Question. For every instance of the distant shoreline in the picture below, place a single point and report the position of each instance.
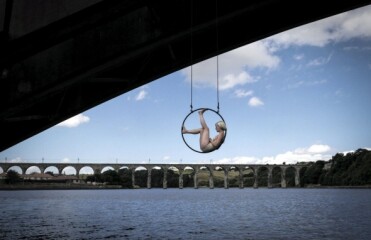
(92, 187)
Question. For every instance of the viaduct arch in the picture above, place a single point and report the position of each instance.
(211, 168)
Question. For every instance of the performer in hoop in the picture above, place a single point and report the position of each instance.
(206, 143)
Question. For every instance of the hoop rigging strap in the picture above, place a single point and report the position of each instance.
(191, 55)
(217, 56)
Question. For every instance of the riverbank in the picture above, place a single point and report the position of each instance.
(56, 187)
(7, 187)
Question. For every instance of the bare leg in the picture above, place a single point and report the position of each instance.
(192, 131)
(204, 135)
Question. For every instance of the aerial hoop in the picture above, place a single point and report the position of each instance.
(189, 114)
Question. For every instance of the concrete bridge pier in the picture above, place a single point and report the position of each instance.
(211, 180)
(283, 178)
(133, 177)
(255, 178)
(270, 177)
(195, 179)
(180, 179)
(226, 182)
(149, 178)
(297, 177)
(241, 178)
(42, 169)
(164, 183)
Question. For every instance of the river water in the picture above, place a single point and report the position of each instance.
(186, 214)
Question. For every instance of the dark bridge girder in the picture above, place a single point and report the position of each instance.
(113, 46)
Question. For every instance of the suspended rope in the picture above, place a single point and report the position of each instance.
(191, 90)
(217, 81)
(191, 56)
(217, 49)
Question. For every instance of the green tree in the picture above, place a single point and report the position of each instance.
(12, 177)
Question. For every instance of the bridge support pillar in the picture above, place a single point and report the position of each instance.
(164, 183)
(283, 178)
(297, 178)
(211, 180)
(181, 180)
(195, 180)
(270, 177)
(241, 178)
(226, 182)
(255, 178)
(149, 179)
(133, 177)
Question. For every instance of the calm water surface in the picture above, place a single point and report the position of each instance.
(186, 214)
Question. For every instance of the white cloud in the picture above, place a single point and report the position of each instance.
(66, 160)
(341, 27)
(15, 160)
(141, 95)
(231, 80)
(255, 102)
(74, 121)
(311, 154)
(240, 93)
(319, 148)
(234, 67)
(166, 158)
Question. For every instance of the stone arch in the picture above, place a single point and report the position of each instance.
(52, 169)
(69, 170)
(173, 177)
(188, 174)
(16, 168)
(248, 176)
(262, 176)
(106, 168)
(276, 177)
(156, 176)
(218, 176)
(302, 175)
(85, 171)
(290, 173)
(203, 176)
(234, 179)
(140, 177)
(33, 169)
(125, 174)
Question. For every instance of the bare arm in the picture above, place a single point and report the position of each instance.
(217, 141)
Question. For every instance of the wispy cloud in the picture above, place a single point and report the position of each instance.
(141, 95)
(302, 83)
(240, 93)
(255, 102)
(74, 121)
(320, 61)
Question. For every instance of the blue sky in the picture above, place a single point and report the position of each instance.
(301, 95)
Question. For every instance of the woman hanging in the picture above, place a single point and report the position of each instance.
(206, 143)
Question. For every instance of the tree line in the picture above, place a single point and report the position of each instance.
(351, 169)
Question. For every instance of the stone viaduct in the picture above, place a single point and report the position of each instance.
(99, 167)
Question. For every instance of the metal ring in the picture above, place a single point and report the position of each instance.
(189, 114)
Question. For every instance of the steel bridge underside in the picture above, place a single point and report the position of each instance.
(61, 66)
